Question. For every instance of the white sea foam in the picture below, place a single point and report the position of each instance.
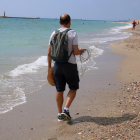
(14, 88)
(117, 35)
(29, 68)
(109, 35)
(10, 101)
(109, 39)
(96, 51)
(119, 29)
(95, 40)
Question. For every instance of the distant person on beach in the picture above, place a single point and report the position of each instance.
(134, 24)
(66, 72)
(138, 23)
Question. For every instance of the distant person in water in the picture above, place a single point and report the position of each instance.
(134, 24)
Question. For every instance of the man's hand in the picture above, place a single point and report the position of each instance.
(77, 51)
(82, 50)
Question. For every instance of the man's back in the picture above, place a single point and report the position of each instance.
(72, 40)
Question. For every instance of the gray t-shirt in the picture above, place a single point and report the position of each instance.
(72, 40)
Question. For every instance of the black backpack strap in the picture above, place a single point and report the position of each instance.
(72, 50)
(66, 31)
(70, 54)
(57, 31)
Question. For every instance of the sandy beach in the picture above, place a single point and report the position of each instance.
(112, 111)
(107, 105)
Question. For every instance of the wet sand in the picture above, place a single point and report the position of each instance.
(106, 105)
(37, 118)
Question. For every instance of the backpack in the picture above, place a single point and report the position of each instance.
(59, 46)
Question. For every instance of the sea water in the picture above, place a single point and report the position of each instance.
(23, 53)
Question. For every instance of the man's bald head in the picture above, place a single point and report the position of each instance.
(65, 19)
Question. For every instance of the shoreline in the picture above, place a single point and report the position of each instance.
(103, 109)
(129, 49)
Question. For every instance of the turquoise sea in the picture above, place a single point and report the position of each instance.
(23, 52)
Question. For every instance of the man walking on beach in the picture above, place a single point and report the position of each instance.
(66, 72)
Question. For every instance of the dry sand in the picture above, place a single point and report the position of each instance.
(107, 105)
(130, 49)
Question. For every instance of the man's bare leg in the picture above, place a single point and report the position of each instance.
(70, 97)
(59, 100)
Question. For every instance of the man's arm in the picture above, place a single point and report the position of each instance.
(49, 58)
(77, 51)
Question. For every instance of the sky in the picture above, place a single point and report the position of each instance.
(77, 9)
